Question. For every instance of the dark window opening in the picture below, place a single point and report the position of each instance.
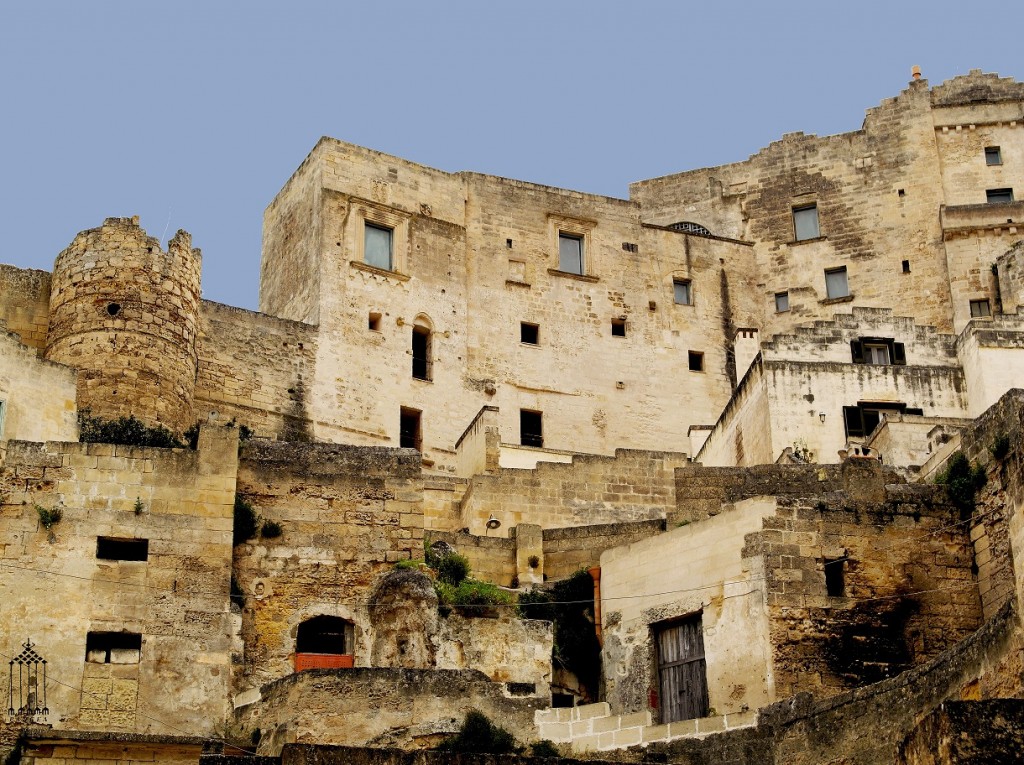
(696, 361)
(529, 333)
(878, 350)
(109, 548)
(113, 309)
(324, 634)
(835, 577)
(980, 309)
(862, 419)
(993, 155)
(562, 700)
(906, 266)
(618, 327)
(901, 192)
(113, 647)
(998, 196)
(409, 435)
(630, 247)
(531, 428)
(421, 353)
(374, 321)
(508, 243)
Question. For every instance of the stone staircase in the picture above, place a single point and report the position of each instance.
(593, 728)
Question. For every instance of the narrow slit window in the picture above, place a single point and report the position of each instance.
(529, 333)
(113, 647)
(835, 577)
(421, 342)
(111, 548)
(410, 435)
(531, 428)
(906, 266)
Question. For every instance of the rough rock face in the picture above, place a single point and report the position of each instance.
(404, 618)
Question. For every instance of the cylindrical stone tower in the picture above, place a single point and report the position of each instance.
(126, 315)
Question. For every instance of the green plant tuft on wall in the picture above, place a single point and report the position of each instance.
(962, 481)
(1000, 448)
(124, 430)
(270, 530)
(49, 518)
(246, 521)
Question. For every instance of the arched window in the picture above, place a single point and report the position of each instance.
(689, 227)
(324, 642)
(421, 352)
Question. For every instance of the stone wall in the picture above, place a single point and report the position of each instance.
(55, 587)
(38, 396)
(25, 304)
(632, 486)
(255, 369)
(413, 709)
(347, 514)
(73, 748)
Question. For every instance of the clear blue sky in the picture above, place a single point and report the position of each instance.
(193, 114)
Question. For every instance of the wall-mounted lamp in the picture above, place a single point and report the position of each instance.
(493, 523)
(821, 416)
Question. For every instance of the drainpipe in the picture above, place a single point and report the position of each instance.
(595, 573)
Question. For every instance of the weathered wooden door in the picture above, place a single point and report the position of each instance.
(682, 671)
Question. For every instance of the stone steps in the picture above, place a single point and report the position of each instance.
(593, 728)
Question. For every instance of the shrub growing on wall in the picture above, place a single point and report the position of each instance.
(478, 734)
(124, 430)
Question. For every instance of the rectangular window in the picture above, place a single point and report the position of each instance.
(570, 253)
(993, 156)
(862, 419)
(805, 222)
(980, 309)
(683, 291)
(110, 548)
(421, 353)
(113, 647)
(682, 669)
(906, 266)
(410, 435)
(696, 361)
(998, 196)
(835, 579)
(374, 321)
(781, 302)
(531, 428)
(618, 327)
(529, 333)
(836, 285)
(877, 350)
(377, 246)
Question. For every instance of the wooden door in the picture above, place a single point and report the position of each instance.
(682, 671)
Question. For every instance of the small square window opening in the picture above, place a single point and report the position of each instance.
(374, 321)
(529, 333)
(998, 196)
(570, 253)
(993, 155)
(378, 246)
(980, 309)
(781, 302)
(906, 266)
(836, 284)
(696, 361)
(683, 291)
(531, 428)
(618, 327)
(805, 222)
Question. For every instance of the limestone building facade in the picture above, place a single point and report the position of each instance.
(723, 397)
